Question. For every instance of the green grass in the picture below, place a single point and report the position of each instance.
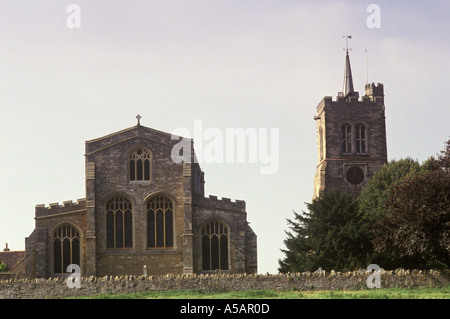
(390, 293)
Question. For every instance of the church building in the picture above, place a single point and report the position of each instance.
(142, 210)
(351, 137)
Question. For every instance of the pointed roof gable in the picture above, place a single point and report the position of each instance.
(137, 131)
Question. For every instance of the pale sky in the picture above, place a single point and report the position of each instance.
(229, 64)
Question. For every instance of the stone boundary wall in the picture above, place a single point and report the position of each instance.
(356, 280)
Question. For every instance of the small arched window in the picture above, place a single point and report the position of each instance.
(139, 164)
(119, 223)
(346, 135)
(159, 222)
(214, 246)
(66, 248)
(361, 139)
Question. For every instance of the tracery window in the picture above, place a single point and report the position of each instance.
(119, 220)
(139, 165)
(159, 222)
(215, 246)
(360, 138)
(346, 139)
(66, 248)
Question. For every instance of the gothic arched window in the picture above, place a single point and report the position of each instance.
(159, 222)
(139, 164)
(66, 248)
(214, 246)
(361, 138)
(346, 139)
(119, 223)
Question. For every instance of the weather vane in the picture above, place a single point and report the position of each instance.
(346, 42)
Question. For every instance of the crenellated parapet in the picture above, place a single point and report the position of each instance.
(57, 209)
(215, 203)
(374, 97)
(374, 90)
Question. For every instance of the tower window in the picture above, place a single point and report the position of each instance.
(159, 222)
(215, 246)
(139, 165)
(361, 139)
(346, 139)
(119, 219)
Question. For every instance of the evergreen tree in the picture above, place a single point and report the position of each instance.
(330, 236)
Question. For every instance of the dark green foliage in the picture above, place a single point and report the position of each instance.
(3, 267)
(407, 209)
(372, 200)
(373, 204)
(401, 219)
(414, 231)
(330, 236)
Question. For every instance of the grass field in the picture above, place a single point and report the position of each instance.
(391, 293)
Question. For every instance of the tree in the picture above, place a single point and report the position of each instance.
(373, 205)
(3, 267)
(372, 200)
(330, 236)
(415, 230)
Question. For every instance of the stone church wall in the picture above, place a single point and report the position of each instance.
(112, 178)
(108, 162)
(241, 235)
(39, 244)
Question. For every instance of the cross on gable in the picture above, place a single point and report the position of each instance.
(139, 119)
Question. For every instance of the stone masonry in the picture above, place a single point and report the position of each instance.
(69, 228)
(307, 281)
(333, 163)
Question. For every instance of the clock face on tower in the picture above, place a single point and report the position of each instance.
(355, 175)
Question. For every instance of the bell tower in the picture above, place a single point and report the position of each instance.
(351, 137)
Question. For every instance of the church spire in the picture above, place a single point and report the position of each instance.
(348, 89)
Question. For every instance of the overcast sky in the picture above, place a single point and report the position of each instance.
(229, 64)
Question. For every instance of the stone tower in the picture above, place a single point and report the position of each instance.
(351, 137)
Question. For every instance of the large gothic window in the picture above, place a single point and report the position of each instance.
(159, 222)
(214, 246)
(66, 248)
(346, 139)
(119, 223)
(360, 139)
(139, 165)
